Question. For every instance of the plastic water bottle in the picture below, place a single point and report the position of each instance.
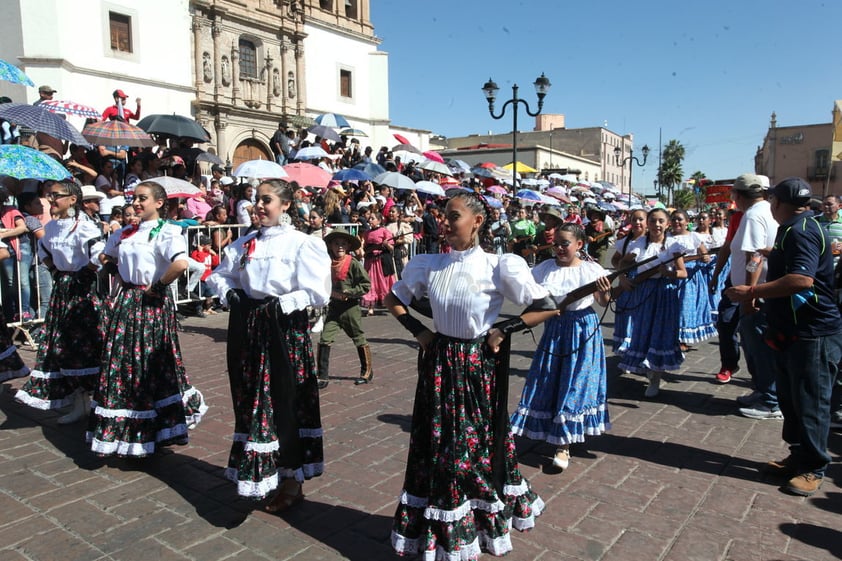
(754, 262)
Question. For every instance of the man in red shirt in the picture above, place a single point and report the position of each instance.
(119, 108)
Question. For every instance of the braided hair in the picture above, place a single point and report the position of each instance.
(479, 205)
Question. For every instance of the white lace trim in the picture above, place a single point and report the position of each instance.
(561, 418)
(524, 524)
(79, 371)
(468, 552)
(9, 374)
(132, 413)
(261, 447)
(43, 404)
(252, 489)
(458, 513)
(45, 375)
(10, 350)
(137, 449)
(498, 546)
(516, 490)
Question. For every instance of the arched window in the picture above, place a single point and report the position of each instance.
(248, 59)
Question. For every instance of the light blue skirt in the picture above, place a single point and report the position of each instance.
(696, 322)
(654, 341)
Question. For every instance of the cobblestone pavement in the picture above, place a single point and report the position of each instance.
(675, 479)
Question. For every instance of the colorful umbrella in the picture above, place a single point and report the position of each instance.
(325, 132)
(352, 174)
(458, 165)
(117, 133)
(529, 195)
(311, 153)
(41, 120)
(23, 162)
(395, 180)
(521, 167)
(353, 132)
(371, 168)
(400, 138)
(176, 188)
(406, 147)
(70, 108)
(497, 190)
(307, 175)
(174, 125)
(429, 188)
(557, 193)
(433, 155)
(333, 120)
(263, 169)
(11, 73)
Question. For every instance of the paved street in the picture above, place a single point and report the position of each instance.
(675, 479)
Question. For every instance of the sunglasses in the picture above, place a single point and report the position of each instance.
(564, 244)
(55, 196)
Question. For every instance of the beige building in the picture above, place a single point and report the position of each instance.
(552, 146)
(801, 151)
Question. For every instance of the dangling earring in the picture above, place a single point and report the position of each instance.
(71, 212)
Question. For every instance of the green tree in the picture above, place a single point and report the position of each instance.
(670, 171)
(699, 188)
(684, 199)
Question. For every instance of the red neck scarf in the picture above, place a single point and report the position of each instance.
(339, 268)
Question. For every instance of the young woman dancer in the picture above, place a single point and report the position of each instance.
(67, 365)
(653, 348)
(268, 278)
(379, 246)
(696, 321)
(630, 299)
(564, 398)
(463, 489)
(143, 399)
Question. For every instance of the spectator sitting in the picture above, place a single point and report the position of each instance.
(210, 259)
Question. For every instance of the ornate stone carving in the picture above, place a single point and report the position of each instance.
(290, 85)
(226, 70)
(207, 69)
(276, 82)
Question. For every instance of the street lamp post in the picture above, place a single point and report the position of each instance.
(542, 87)
(630, 158)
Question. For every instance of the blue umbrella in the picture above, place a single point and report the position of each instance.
(529, 195)
(11, 73)
(351, 174)
(482, 172)
(494, 203)
(607, 206)
(325, 132)
(23, 162)
(40, 119)
(333, 120)
(371, 169)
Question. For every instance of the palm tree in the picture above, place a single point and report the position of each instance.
(670, 172)
(699, 187)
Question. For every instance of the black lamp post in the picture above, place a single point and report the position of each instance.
(542, 87)
(630, 158)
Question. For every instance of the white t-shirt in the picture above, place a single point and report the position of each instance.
(756, 231)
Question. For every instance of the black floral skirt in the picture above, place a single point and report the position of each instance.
(11, 365)
(450, 507)
(71, 347)
(274, 389)
(143, 398)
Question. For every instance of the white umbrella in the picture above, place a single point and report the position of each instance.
(569, 177)
(176, 188)
(394, 180)
(548, 200)
(429, 188)
(263, 169)
(555, 176)
(311, 153)
(530, 181)
(437, 167)
(407, 156)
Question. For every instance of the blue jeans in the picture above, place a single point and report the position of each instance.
(759, 358)
(26, 257)
(45, 289)
(805, 373)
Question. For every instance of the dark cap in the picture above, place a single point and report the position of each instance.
(204, 240)
(46, 89)
(793, 190)
(119, 93)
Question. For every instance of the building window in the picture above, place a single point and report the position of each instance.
(120, 26)
(351, 9)
(822, 159)
(248, 59)
(326, 5)
(345, 84)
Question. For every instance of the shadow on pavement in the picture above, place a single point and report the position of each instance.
(403, 421)
(815, 536)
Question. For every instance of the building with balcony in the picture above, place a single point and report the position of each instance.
(801, 151)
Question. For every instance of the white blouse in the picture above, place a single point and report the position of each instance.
(665, 252)
(142, 260)
(467, 288)
(560, 281)
(689, 241)
(71, 244)
(284, 263)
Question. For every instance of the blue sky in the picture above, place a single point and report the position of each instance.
(709, 74)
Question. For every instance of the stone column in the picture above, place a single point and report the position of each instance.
(220, 123)
(197, 55)
(217, 56)
(235, 72)
(285, 46)
(300, 102)
(269, 84)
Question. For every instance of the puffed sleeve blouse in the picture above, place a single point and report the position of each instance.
(467, 288)
(71, 244)
(277, 262)
(144, 254)
(560, 281)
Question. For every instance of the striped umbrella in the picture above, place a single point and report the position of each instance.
(117, 133)
(333, 120)
(70, 108)
(23, 162)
